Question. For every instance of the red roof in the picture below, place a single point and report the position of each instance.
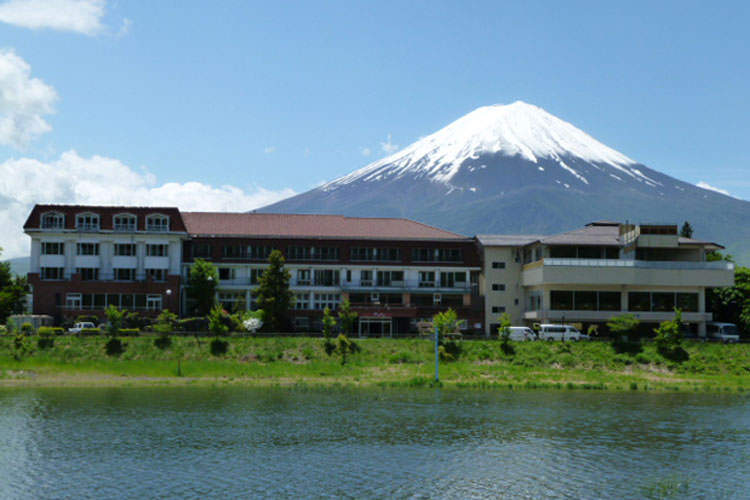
(306, 226)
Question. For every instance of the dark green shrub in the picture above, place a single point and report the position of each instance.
(114, 347)
(193, 324)
(403, 357)
(84, 318)
(27, 328)
(45, 342)
(219, 347)
(129, 332)
(90, 331)
(163, 342)
(19, 346)
(51, 330)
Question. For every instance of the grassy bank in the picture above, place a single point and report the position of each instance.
(380, 362)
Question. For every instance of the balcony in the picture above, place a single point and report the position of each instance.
(628, 272)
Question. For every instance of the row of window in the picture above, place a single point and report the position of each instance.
(611, 301)
(93, 274)
(120, 249)
(120, 223)
(323, 253)
(127, 301)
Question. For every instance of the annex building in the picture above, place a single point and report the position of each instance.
(396, 273)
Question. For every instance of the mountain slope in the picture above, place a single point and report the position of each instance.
(519, 169)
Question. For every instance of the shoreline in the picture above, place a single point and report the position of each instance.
(380, 364)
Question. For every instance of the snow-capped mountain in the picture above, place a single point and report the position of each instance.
(518, 169)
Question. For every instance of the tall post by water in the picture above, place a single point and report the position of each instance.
(437, 357)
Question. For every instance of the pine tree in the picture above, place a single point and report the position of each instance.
(273, 295)
(687, 230)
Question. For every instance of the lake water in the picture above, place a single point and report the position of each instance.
(273, 443)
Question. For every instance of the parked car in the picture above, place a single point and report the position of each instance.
(521, 333)
(722, 332)
(82, 325)
(559, 332)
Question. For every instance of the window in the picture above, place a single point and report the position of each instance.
(157, 250)
(326, 277)
(302, 301)
(88, 273)
(561, 301)
(87, 248)
(498, 309)
(687, 302)
(87, 222)
(663, 301)
(426, 279)
(609, 301)
(201, 250)
(255, 275)
(124, 223)
(390, 278)
(52, 273)
(153, 302)
(639, 301)
(226, 273)
(585, 301)
(232, 301)
(312, 253)
(348, 276)
(124, 249)
(437, 298)
(53, 220)
(323, 300)
(365, 278)
(73, 300)
(498, 265)
(498, 287)
(453, 279)
(437, 255)
(53, 248)
(303, 276)
(375, 254)
(156, 274)
(235, 251)
(157, 223)
(258, 252)
(124, 274)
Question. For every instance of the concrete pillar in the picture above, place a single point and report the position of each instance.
(36, 250)
(140, 253)
(70, 257)
(106, 252)
(624, 300)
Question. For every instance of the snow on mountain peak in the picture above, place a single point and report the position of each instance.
(517, 129)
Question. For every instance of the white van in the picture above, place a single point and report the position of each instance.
(559, 332)
(722, 332)
(521, 333)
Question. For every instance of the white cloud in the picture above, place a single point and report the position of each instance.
(269, 149)
(388, 147)
(23, 102)
(78, 16)
(366, 151)
(705, 185)
(105, 181)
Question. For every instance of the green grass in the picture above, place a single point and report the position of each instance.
(380, 362)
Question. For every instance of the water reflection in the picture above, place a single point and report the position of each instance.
(233, 442)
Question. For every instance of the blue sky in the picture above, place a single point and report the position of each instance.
(229, 105)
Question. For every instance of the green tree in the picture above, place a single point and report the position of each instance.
(446, 322)
(165, 324)
(503, 331)
(732, 304)
(202, 283)
(669, 338)
(329, 323)
(13, 290)
(273, 294)
(115, 318)
(218, 326)
(687, 230)
(347, 316)
(623, 327)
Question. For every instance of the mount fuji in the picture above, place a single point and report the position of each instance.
(518, 169)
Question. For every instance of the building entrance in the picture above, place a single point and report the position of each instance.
(375, 327)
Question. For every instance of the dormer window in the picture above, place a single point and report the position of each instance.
(53, 220)
(124, 223)
(157, 223)
(87, 222)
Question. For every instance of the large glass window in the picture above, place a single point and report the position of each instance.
(87, 222)
(390, 278)
(87, 248)
(687, 302)
(375, 254)
(426, 279)
(585, 301)
(73, 300)
(124, 223)
(52, 248)
(157, 223)
(157, 250)
(156, 274)
(639, 301)
(561, 300)
(452, 279)
(663, 301)
(125, 249)
(609, 301)
(326, 277)
(52, 273)
(365, 278)
(323, 300)
(88, 273)
(124, 274)
(437, 255)
(53, 220)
